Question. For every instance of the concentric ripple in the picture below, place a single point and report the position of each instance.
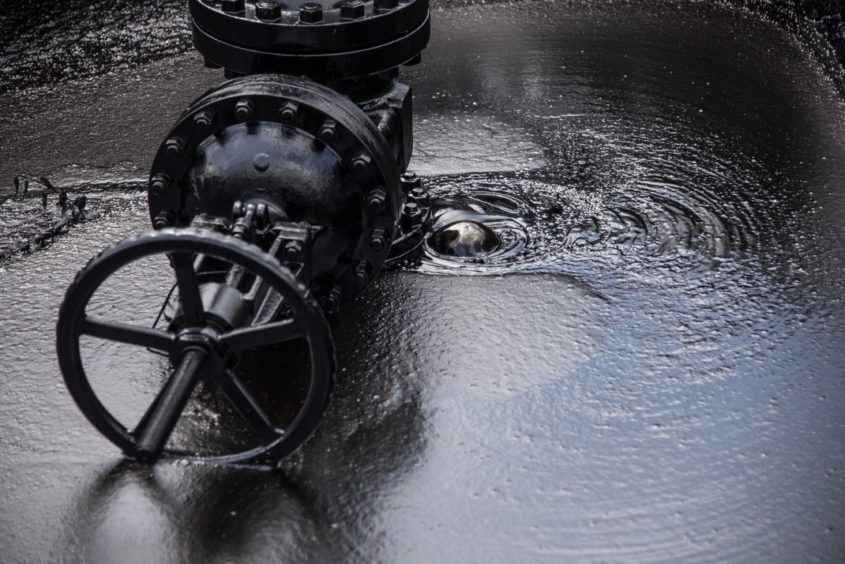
(656, 192)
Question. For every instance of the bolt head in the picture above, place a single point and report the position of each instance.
(232, 6)
(411, 209)
(159, 183)
(385, 5)
(310, 12)
(173, 147)
(328, 131)
(203, 121)
(361, 162)
(409, 181)
(162, 220)
(376, 200)
(352, 10)
(378, 240)
(289, 112)
(268, 11)
(361, 275)
(261, 162)
(244, 110)
(293, 250)
(331, 303)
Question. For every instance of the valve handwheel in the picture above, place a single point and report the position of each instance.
(198, 349)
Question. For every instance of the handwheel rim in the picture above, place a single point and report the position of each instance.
(72, 314)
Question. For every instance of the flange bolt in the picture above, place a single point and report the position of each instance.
(360, 162)
(378, 240)
(331, 303)
(413, 213)
(233, 6)
(293, 251)
(203, 121)
(328, 131)
(268, 11)
(159, 183)
(385, 5)
(163, 219)
(361, 275)
(244, 110)
(409, 181)
(173, 147)
(289, 112)
(310, 12)
(352, 10)
(376, 200)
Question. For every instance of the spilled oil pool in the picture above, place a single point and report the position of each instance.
(647, 366)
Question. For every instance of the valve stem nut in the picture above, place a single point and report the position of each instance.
(376, 200)
(244, 110)
(310, 12)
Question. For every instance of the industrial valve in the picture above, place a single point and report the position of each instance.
(275, 197)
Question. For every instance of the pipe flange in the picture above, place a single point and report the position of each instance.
(328, 42)
(270, 115)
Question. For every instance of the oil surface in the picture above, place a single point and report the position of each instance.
(656, 375)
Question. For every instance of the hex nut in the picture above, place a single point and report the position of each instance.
(159, 183)
(293, 250)
(268, 11)
(289, 112)
(331, 303)
(385, 5)
(203, 122)
(378, 240)
(244, 110)
(360, 162)
(328, 131)
(376, 200)
(310, 12)
(173, 147)
(233, 6)
(352, 10)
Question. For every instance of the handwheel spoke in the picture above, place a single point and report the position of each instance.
(129, 334)
(189, 291)
(261, 335)
(246, 405)
(161, 417)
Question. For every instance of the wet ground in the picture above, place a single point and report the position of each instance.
(658, 375)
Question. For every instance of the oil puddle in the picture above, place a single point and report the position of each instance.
(39, 213)
(653, 192)
(451, 142)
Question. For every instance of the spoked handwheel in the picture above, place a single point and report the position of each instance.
(199, 347)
